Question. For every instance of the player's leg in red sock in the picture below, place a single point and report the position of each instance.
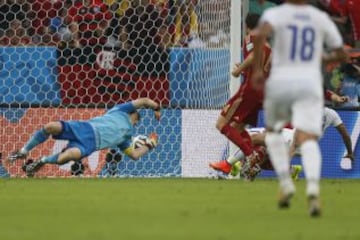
(235, 136)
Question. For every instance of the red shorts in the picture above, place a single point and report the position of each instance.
(243, 107)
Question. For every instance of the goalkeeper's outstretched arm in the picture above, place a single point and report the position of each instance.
(135, 154)
(148, 103)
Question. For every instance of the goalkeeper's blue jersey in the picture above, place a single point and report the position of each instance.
(114, 128)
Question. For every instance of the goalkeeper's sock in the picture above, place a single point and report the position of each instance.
(52, 159)
(311, 158)
(37, 138)
(233, 135)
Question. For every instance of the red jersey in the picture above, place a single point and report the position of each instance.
(248, 45)
(247, 48)
(351, 9)
(247, 101)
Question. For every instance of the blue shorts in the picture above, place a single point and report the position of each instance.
(80, 135)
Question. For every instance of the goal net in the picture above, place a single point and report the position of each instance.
(72, 60)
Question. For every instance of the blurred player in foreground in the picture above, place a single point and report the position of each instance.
(294, 91)
(242, 109)
(113, 129)
(331, 118)
(237, 159)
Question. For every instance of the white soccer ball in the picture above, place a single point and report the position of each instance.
(139, 141)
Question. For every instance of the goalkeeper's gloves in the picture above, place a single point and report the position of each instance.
(152, 141)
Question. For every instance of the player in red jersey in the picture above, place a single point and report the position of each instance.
(242, 109)
(258, 140)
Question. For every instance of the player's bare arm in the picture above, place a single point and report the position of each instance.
(336, 55)
(267, 64)
(335, 98)
(258, 139)
(240, 67)
(339, 99)
(261, 33)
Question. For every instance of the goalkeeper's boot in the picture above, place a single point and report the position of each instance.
(314, 206)
(295, 172)
(222, 166)
(286, 193)
(16, 155)
(32, 168)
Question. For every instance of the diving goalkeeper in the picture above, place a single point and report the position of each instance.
(113, 129)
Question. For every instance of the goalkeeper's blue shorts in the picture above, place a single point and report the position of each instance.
(80, 134)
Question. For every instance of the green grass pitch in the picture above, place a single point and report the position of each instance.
(171, 209)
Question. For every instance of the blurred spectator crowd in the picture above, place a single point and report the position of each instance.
(137, 23)
(144, 29)
(116, 23)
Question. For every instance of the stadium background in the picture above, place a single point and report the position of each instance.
(186, 145)
(48, 75)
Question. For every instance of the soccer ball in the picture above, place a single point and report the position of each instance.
(139, 141)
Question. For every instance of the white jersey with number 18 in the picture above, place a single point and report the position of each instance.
(300, 32)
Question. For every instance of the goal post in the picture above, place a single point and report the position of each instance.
(238, 10)
(236, 38)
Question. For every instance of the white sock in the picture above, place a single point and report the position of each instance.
(311, 158)
(279, 155)
(236, 157)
